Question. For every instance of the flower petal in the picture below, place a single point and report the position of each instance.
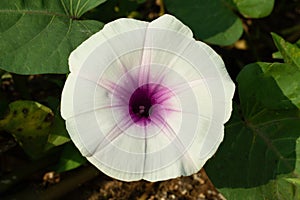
(67, 97)
(169, 22)
(109, 31)
(228, 85)
(192, 93)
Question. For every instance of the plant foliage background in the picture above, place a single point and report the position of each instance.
(260, 155)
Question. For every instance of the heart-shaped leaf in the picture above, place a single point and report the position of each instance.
(37, 36)
(211, 21)
(259, 148)
(254, 8)
(215, 21)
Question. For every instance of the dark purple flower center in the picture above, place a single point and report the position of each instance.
(142, 101)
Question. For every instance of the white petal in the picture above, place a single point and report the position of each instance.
(109, 31)
(67, 97)
(169, 22)
(165, 33)
(122, 158)
(85, 133)
(228, 84)
(113, 58)
(88, 97)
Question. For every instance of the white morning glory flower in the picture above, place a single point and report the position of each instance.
(146, 100)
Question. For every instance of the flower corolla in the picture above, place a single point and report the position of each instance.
(146, 100)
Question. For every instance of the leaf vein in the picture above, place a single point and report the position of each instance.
(38, 34)
(34, 12)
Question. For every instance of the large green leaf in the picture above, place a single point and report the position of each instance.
(279, 189)
(259, 148)
(76, 8)
(254, 8)
(284, 187)
(37, 36)
(211, 21)
(290, 52)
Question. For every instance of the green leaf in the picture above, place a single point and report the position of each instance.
(77, 8)
(29, 122)
(254, 8)
(211, 21)
(298, 43)
(285, 187)
(277, 55)
(259, 148)
(284, 75)
(278, 189)
(37, 36)
(295, 181)
(58, 133)
(70, 158)
(290, 52)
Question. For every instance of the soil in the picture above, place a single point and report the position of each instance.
(194, 187)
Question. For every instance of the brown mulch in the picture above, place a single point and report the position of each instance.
(194, 187)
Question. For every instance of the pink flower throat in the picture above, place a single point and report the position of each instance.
(146, 102)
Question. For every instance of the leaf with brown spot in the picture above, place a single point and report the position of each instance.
(30, 123)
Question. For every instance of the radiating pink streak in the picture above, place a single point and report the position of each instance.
(144, 73)
(158, 81)
(180, 88)
(167, 95)
(145, 64)
(172, 109)
(179, 145)
(99, 108)
(155, 118)
(125, 70)
(146, 61)
(161, 76)
(115, 90)
(186, 112)
(190, 84)
(86, 78)
(171, 63)
(113, 134)
(111, 87)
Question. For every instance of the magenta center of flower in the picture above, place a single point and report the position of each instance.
(144, 102)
